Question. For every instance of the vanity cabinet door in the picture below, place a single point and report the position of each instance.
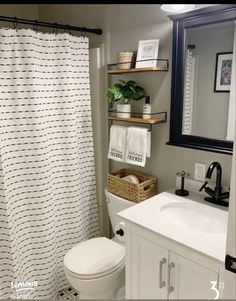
(149, 269)
(190, 280)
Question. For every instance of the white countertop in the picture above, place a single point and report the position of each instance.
(147, 214)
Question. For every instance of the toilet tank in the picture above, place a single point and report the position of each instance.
(116, 204)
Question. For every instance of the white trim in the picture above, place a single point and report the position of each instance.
(229, 277)
(98, 108)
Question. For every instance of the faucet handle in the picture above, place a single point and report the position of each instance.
(203, 186)
(183, 174)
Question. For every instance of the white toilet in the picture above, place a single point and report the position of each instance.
(96, 267)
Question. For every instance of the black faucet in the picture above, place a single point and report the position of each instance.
(216, 195)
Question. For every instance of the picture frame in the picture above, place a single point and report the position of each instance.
(223, 70)
(147, 53)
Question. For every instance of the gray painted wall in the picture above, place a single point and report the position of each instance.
(210, 108)
(27, 11)
(124, 26)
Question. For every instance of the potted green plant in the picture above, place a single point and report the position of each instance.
(123, 92)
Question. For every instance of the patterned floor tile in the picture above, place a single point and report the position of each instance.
(68, 293)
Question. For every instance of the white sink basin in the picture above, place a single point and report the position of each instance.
(196, 217)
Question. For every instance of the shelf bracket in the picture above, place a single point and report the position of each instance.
(149, 129)
(140, 121)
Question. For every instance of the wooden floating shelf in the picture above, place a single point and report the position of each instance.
(138, 120)
(134, 70)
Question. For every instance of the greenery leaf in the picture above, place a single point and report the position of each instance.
(130, 83)
(122, 82)
(139, 93)
(124, 92)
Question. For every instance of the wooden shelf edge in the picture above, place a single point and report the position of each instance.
(138, 120)
(133, 70)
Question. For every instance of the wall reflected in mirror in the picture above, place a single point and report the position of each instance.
(209, 96)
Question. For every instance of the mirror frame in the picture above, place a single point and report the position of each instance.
(203, 16)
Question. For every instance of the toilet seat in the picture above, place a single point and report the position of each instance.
(95, 276)
(94, 258)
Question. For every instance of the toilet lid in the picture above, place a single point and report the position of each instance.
(95, 256)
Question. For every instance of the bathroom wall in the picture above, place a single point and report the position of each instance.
(124, 26)
(27, 11)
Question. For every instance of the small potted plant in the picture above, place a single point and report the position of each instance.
(123, 92)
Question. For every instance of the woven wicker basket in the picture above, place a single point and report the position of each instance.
(130, 191)
(124, 60)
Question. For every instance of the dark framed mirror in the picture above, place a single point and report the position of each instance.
(202, 99)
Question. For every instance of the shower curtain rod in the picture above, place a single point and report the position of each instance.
(52, 25)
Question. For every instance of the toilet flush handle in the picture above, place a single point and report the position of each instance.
(120, 232)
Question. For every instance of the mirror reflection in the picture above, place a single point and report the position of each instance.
(209, 97)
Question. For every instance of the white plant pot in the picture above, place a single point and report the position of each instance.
(123, 110)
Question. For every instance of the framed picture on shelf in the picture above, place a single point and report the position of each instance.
(147, 53)
(223, 71)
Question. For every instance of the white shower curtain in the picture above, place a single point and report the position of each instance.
(47, 176)
(188, 93)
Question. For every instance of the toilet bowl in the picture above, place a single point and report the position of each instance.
(96, 267)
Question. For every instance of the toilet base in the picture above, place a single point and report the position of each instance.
(108, 295)
(120, 293)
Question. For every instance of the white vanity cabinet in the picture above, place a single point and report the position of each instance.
(175, 248)
(158, 269)
(190, 280)
(149, 262)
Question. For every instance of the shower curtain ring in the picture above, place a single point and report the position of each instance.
(15, 23)
(68, 28)
(55, 28)
(35, 26)
(83, 32)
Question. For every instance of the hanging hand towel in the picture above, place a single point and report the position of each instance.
(117, 143)
(136, 149)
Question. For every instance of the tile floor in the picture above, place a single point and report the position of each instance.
(68, 293)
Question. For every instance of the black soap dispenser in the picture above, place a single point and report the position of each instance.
(182, 191)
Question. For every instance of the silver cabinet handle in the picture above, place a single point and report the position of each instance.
(161, 282)
(170, 288)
